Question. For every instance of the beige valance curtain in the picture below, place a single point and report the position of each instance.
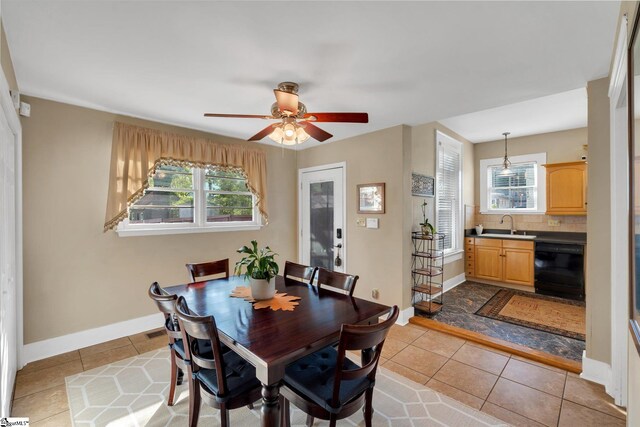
(137, 151)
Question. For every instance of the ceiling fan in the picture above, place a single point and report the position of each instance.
(295, 123)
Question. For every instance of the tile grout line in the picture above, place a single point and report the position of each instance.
(494, 384)
(594, 409)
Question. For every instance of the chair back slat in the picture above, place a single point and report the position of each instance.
(196, 328)
(337, 280)
(300, 272)
(166, 305)
(203, 269)
(361, 337)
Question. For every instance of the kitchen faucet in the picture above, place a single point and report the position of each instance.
(513, 229)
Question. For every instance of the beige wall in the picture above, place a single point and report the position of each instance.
(598, 263)
(5, 60)
(564, 146)
(423, 160)
(75, 276)
(376, 255)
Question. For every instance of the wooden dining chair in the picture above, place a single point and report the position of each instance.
(222, 380)
(328, 385)
(303, 273)
(166, 305)
(209, 269)
(334, 279)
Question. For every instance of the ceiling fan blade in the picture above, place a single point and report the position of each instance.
(240, 116)
(264, 132)
(315, 132)
(338, 117)
(287, 101)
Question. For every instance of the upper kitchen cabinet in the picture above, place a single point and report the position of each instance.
(567, 188)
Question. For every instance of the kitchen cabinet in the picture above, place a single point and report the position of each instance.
(566, 188)
(503, 260)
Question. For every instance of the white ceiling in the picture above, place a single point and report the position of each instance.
(402, 62)
(566, 110)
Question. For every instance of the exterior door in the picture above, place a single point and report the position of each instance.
(8, 300)
(322, 213)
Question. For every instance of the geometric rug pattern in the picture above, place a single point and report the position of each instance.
(133, 392)
(555, 315)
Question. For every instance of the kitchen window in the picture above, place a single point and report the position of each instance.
(522, 192)
(449, 192)
(182, 199)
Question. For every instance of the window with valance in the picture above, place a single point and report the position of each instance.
(176, 183)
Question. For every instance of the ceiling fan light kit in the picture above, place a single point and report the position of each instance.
(295, 125)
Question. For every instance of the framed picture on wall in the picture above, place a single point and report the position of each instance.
(371, 198)
(423, 185)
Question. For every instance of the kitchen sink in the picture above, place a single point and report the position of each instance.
(509, 236)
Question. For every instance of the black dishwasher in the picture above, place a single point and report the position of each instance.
(559, 270)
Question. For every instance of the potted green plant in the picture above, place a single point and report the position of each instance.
(260, 269)
(427, 228)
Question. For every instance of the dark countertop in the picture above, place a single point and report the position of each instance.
(541, 236)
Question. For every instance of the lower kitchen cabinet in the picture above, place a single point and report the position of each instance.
(504, 260)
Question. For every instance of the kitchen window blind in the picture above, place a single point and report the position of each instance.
(449, 191)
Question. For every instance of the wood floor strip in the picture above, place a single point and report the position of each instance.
(518, 350)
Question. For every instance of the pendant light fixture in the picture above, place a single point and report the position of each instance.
(506, 164)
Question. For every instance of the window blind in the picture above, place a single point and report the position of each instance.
(448, 194)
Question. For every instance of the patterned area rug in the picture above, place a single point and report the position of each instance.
(549, 314)
(133, 392)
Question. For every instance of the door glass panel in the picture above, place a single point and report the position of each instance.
(321, 224)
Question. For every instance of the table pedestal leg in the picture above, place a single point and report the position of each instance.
(270, 412)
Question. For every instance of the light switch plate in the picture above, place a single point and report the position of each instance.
(372, 222)
(361, 222)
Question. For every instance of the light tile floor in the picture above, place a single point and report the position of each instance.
(518, 391)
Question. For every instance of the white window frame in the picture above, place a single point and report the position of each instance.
(455, 252)
(541, 184)
(199, 224)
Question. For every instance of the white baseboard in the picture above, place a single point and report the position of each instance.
(596, 371)
(453, 282)
(404, 316)
(58, 345)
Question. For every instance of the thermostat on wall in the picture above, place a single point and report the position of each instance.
(372, 222)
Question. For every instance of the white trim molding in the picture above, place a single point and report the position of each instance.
(65, 343)
(541, 183)
(619, 208)
(596, 371)
(453, 282)
(405, 315)
(448, 284)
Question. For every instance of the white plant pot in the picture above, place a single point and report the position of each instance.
(262, 289)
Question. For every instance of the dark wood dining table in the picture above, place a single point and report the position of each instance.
(269, 339)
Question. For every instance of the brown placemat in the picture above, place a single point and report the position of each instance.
(280, 301)
(541, 312)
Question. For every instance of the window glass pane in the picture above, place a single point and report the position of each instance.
(229, 207)
(167, 176)
(162, 207)
(219, 180)
(524, 175)
(523, 198)
(517, 191)
(227, 215)
(321, 224)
